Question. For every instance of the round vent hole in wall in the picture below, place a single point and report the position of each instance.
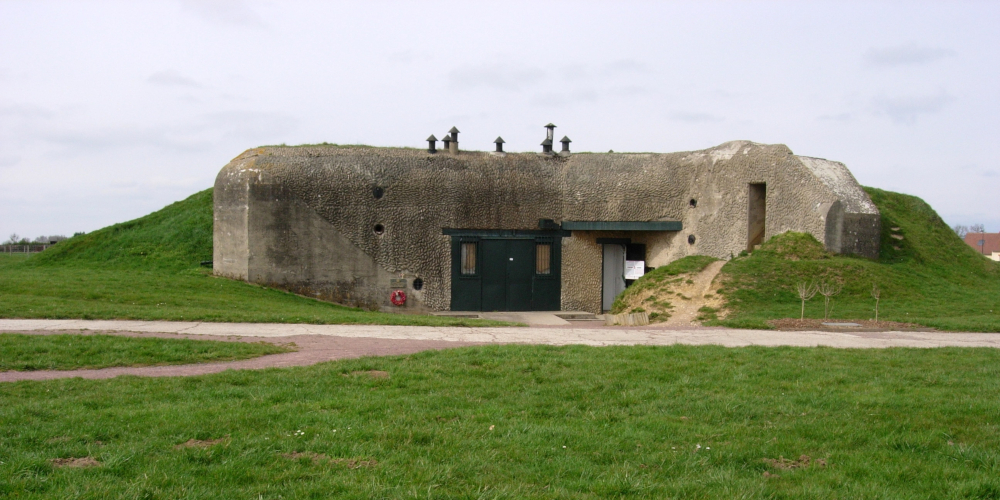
(693, 203)
(690, 239)
(379, 229)
(378, 192)
(418, 284)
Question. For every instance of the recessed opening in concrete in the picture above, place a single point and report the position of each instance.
(418, 283)
(693, 203)
(378, 192)
(379, 229)
(691, 239)
(756, 215)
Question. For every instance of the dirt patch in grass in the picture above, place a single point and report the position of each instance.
(369, 373)
(312, 456)
(803, 462)
(791, 324)
(78, 463)
(317, 458)
(199, 443)
(355, 463)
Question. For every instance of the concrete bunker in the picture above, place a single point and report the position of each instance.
(494, 230)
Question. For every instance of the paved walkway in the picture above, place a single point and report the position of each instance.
(327, 342)
(595, 335)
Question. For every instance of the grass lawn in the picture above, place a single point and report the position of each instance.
(523, 422)
(75, 291)
(71, 352)
(149, 269)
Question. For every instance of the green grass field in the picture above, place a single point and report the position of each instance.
(524, 422)
(71, 352)
(149, 269)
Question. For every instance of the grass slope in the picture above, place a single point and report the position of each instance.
(929, 277)
(505, 422)
(148, 269)
(179, 236)
(72, 352)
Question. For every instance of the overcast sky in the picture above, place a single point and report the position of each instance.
(111, 110)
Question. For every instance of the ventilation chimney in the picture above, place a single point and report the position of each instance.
(547, 146)
(499, 142)
(432, 144)
(550, 132)
(454, 140)
(565, 146)
(446, 143)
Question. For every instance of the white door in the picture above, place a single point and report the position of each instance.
(614, 274)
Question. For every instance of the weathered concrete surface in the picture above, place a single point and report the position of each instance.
(594, 336)
(305, 218)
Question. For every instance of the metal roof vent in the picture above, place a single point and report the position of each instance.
(454, 140)
(550, 131)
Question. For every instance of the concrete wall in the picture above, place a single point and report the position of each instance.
(303, 217)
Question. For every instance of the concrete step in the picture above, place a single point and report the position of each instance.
(458, 314)
(577, 316)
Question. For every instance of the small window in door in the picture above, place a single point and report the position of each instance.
(543, 258)
(468, 258)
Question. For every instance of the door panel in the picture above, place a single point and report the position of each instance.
(466, 290)
(494, 260)
(614, 274)
(520, 271)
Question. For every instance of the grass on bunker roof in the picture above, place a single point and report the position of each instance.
(72, 352)
(926, 274)
(523, 422)
(149, 269)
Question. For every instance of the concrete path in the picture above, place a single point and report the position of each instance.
(318, 343)
(594, 335)
(310, 349)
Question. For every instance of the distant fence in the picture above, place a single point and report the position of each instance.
(23, 248)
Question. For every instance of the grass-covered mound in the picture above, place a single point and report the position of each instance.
(926, 274)
(149, 269)
(179, 236)
(657, 291)
(513, 422)
(72, 352)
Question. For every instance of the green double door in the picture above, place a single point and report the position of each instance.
(508, 268)
(498, 273)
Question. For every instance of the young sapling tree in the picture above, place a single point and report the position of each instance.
(828, 290)
(875, 295)
(806, 292)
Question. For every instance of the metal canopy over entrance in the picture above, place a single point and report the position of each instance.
(505, 270)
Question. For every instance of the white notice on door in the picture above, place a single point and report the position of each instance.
(634, 269)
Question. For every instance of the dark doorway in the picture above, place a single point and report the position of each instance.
(756, 215)
(505, 274)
